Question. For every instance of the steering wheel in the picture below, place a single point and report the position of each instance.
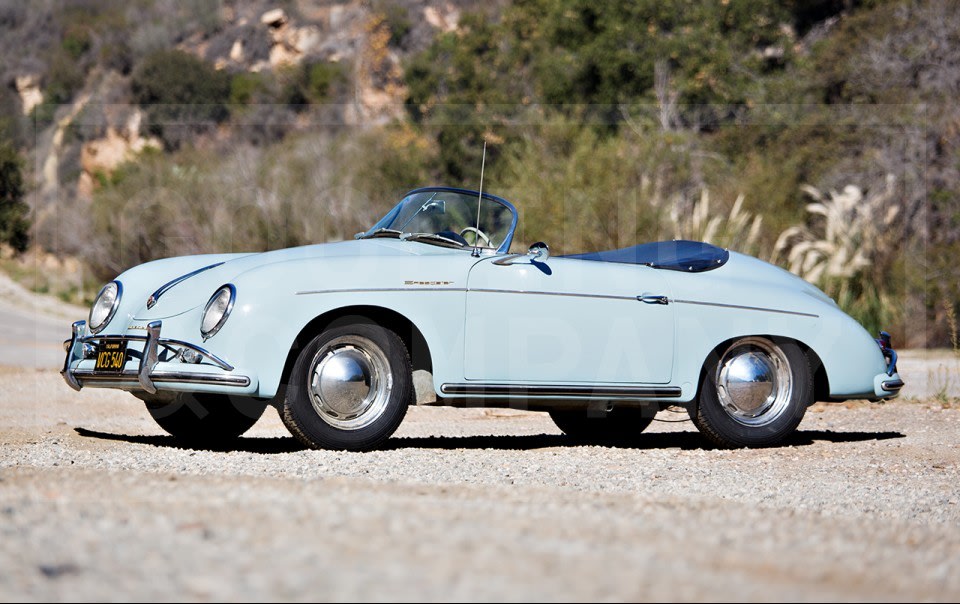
(478, 235)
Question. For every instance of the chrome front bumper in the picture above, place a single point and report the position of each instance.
(147, 375)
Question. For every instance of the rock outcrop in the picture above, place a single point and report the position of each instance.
(28, 87)
(102, 156)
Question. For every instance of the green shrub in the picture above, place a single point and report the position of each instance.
(580, 190)
(182, 94)
(311, 82)
(397, 19)
(14, 227)
(42, 114)
(65, 76)
(76, 41)
(247, 88)
(322, 79)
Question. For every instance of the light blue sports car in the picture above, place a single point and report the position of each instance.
(330, 334)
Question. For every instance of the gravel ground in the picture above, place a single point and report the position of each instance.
(95, 503)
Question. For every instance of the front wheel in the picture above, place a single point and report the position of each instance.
(205, 419)
(349, 388)
(754, 394)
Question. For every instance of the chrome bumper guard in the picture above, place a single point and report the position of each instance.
(76, 334)
(895, 383)
(145, 374)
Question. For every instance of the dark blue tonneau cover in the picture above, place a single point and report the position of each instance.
(679, 255)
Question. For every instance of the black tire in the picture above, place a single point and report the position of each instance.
(728, 426)
(620, 425)
(211, 420)
(314, 421)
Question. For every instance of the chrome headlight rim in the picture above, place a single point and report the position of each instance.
(226, 313)
(95, 329)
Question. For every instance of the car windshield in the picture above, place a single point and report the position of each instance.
(449, 217)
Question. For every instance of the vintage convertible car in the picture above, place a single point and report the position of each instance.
(330, 334)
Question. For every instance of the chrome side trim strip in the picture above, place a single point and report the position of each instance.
(381, 290)
(543, 293)
(541, 391)
(460, 289)
(131, 378)
(564, 294)
(757, 308)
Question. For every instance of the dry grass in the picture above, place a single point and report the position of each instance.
(854, 230)
(849, 248)
(739, 230)
(945, 376)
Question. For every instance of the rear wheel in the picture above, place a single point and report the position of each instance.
(616, 426)
(205, 419)
(349, 388)
(755, 394)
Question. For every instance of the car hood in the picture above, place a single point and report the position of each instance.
(195, 290)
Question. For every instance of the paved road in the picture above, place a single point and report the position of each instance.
(33, 327)
(31, 338)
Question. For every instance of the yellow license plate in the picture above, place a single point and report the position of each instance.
(111, 356)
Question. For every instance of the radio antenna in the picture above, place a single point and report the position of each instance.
(483, 164)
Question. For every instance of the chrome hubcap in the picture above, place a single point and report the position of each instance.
(754, 382)
(350, 382)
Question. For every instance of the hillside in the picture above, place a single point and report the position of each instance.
(820, 135)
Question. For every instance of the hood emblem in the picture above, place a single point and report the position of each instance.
(151, 301)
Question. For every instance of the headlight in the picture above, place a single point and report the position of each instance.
(217, 311)
(105, 306)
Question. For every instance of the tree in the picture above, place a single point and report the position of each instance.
(14, 226)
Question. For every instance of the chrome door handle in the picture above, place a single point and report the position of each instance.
(651, 299)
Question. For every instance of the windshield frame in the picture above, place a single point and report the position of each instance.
(504, 246)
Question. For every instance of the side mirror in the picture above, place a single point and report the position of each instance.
(539, 251)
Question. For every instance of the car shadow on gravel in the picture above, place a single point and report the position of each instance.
(655, 440)
(511, 442)
(259, 444)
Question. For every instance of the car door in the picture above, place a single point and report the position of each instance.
(567, 321)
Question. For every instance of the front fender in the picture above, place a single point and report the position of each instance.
(275, 303)
(141, 281)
